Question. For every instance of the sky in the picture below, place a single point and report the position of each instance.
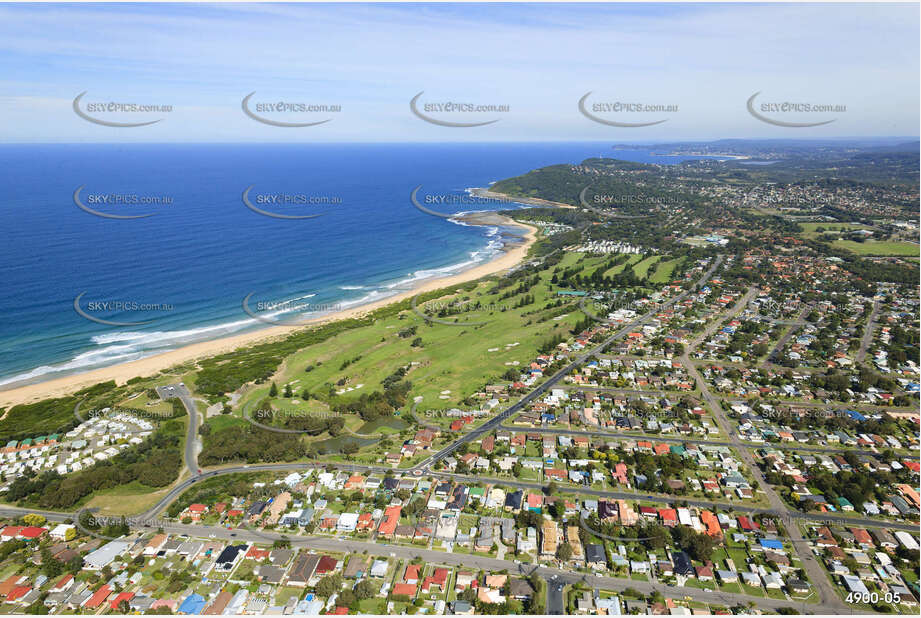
(539, 60)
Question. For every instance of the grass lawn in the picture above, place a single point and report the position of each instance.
(125, 499)
(873, 247)
(664, 270)
(641, 269)
(696, 583)
(752, 590)
(144, 403)
(731, 587)
(285, 593)
(813, 226)
(620, 267)
(466, 521)
(373, 606)
(776, 594)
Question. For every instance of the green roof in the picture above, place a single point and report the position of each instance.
(12, 444)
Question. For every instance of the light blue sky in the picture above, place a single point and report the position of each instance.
(539, 59)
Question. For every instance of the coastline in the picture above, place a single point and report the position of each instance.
(533, 201)
(510, 256)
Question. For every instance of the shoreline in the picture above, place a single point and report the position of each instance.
(532, 201)
(511, 255)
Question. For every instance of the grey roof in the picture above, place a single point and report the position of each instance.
(106, 554)
(594, 553)
(460, 607)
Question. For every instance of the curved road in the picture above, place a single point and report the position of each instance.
(191, 443)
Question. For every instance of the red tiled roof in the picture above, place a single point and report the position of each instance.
(98, 597)
(18, 592)
(32, 532)
(407, 589)
(63, 581)
(123, 596)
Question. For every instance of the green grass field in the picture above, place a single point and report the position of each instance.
(452, 362)
(664, 270)
(641, 269)
(873, 247)
(620, 267)
(812, 227)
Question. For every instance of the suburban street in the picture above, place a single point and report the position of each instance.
(867, 338)
(815, 571)
(795, 325)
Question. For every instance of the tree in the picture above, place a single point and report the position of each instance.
(365, 589)
(33, 519)
(329, 585)
(347, 598)
(273, 390)
(564, 552)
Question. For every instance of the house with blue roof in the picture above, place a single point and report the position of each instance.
(857, 416)
(772, 544)
(192, 605)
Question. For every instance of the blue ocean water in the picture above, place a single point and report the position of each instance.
(204, 251)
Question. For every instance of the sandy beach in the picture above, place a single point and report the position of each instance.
(58, 387)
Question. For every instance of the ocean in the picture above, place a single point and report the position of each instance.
(181, 274)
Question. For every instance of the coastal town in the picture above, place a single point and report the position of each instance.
(719, 444)
(460, 308)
